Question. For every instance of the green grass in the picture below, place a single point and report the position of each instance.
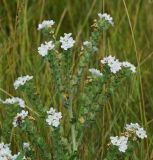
(130, 39)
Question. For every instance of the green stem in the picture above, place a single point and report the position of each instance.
(73, 132)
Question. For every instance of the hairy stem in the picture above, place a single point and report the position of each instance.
(73, 131)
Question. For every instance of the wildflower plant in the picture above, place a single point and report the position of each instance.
(80, 92)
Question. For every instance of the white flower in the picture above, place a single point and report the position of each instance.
(20, 81)
(95, 72)
(132, 126)
(141, 133)
(115, 66)
(51, 111)
(129, 65)
(14, 100)
(115, 141)
(26, 145)
(46, 24)
(113, 63)
(135, 127)
(67, 41)
(6, 153)
(44, 48)
(50, 45)
(121, 142)
(53, 118)
(106, 17)
(20, 118)
(108, 60)
(123, 147)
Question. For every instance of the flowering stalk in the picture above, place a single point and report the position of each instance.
(91, 46)
(67, 43)
(88, 51)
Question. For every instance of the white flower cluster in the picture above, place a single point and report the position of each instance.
(14, 100)
(121, 142)
(20, 81)
(135, 128)
(132, 129)
(53, 118)
(44, 48)
(106, 17)
(115, 65)
(46, 24)
(95, 72)
(6, 153)
(20, 118)
(67, 41)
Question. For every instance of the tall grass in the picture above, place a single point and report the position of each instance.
(131, 39)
